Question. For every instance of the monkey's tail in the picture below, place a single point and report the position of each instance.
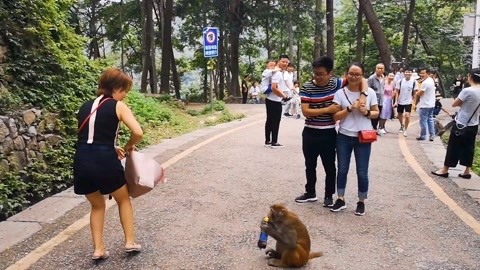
(315, 255)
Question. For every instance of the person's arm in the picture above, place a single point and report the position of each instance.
(309, 112)
(277, 91)
(276, 77)
(372, 112)
(343, 113)
(396, 94)
(125, 115)
(421, 91)
(457, 102)
(364, 93)
(371, 83)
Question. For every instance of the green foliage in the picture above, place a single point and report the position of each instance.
(218, 106)
(45, 57)
(439, 24)
(194, 112)
(224, 117)
(13, 195)
(147, 109)
(46, 69)
(148, 112)
(476, 159)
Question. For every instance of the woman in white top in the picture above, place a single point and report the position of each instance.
(461, 148)
(358, 108)
(254, 91)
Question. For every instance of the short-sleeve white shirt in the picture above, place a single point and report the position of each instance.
(406, 91)
(278, 78)
(427, 100)
(355, 121)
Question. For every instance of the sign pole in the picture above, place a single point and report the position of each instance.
(210, 50)
(211, 68)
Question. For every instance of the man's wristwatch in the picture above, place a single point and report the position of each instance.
(368, 113)
(363, 93)
(348, 109)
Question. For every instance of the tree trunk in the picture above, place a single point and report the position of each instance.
(234, 63)
(377, 32)
(221, 66)
(205, 80)
(267, 34)
(318, 44)
(228, 77)
(149, 67)
(330, 30)
(359, 36)
(236, 12)
(290, 30)
(145, 63)
(93, 46)
(406, 29)
(176, 78)
(166, 47)
(299, 59)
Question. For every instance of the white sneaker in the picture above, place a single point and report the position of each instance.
(401, 129)
(404, 133)
(382, 130)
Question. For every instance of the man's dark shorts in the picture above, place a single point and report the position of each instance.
(406, 108)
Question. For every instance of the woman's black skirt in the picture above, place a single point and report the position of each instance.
(97, 168)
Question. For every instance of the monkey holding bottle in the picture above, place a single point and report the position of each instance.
(293, 241)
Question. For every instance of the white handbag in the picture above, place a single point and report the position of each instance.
(142, 173)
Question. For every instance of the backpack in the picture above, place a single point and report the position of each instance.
(266, 85)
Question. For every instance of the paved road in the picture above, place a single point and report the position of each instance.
(207, 216)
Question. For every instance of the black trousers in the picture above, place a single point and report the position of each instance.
(274, 115)
(461, 149)
(320, 142)
(375, 121)
(244, 97)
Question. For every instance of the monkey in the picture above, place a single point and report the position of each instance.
(293, 241)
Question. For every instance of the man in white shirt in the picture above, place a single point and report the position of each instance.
(399, 75)
(404, 91)
(273, 103)
(426, 93)
(288, 77)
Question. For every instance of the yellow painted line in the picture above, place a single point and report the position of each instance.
(45, 248)
(436, 189)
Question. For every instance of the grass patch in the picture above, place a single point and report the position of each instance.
(163, 118)
(476, 159)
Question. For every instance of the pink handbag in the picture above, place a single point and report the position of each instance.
(142, 174)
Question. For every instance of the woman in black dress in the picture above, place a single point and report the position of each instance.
(97, 169)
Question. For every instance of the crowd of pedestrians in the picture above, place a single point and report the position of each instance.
(337, 110)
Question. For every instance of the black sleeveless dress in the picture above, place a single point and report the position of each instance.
(96, 166)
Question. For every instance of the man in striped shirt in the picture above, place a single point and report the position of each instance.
(319, 135)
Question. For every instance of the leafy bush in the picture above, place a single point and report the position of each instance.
(194, 112)
(13, 195)
(147, 109)
(476, 159)
(218, 106)
(224, 117)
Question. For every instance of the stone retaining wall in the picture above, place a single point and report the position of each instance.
(25, 136)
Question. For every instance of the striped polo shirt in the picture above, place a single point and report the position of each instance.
(320, 97)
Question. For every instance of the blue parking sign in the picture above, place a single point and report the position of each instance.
(210, 42)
